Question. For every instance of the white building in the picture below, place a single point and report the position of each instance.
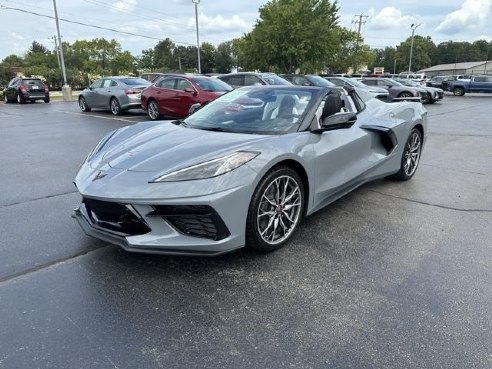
(480, 67)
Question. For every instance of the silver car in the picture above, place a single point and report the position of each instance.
(243, 170)
(396, 90)
(365, 92)
(434, 94)
(116, 94)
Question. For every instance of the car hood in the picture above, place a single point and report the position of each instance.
(167, 146)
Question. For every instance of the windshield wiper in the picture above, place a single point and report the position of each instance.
(213, 129)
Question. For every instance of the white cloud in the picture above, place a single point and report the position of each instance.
(389, 18)
(220, 24)
(124, 6)
(472, 14)
(485, 37)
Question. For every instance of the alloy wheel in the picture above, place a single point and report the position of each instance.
(279, 210)
(153, 110)
(411, 157)
(115, 106)
(82, 104)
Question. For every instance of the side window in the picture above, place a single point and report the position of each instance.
(301, 81)
(113, 83)
(168, 83)
(97, 84)
(250, 80)
(235, 81)
(107, 83)
(182, 84)
(489, 79)
(480, 79)
(370, 82)
(381, 83)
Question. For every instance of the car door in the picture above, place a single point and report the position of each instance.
(92, 92)
(343, 156)
(186, 95)
(164, 93)
(104, 93)
(11, 89)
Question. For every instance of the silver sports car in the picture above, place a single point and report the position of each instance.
(243, 170)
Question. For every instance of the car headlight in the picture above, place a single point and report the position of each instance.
(100, 145)
(209, 169)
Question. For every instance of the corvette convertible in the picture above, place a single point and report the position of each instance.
(244, 170)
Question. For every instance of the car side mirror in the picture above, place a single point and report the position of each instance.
(337, 121)
(190, 90)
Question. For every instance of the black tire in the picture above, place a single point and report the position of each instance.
(32, 101)
(405, 95)
(114, 106)
(458, 91)
(20, 98)
(6, 98)
(275, 213)
(404, 174)
(46, 100)
(153, 110)
(83, 105)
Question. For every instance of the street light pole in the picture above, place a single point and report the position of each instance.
(67, 92)
(196, 2)
(413, 27)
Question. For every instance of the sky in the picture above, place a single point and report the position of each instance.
(387, 23)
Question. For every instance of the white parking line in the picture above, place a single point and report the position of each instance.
(95, 116)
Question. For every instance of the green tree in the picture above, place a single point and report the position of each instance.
(423, 48)
(207, 57)
(224, 60)
(351, 53)
(292, 34)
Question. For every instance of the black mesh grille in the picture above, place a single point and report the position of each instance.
(115, 217)
(197, 221)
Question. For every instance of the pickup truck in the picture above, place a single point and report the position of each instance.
(474, 84)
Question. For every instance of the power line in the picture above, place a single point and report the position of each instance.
(91, 25)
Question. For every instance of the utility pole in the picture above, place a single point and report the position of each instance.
(57, 52)
(361, 21)
(413, 28)
(196, 2)
(66, 90)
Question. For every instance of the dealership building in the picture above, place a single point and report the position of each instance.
(480, 67)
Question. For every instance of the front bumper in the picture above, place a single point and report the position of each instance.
(164, 230)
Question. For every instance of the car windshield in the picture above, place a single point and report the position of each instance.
(273, 79)
(392, 82)
(353, 82)
(135, 81)
(256, 110)
(320, 81)
(406, 82)
(211, 84)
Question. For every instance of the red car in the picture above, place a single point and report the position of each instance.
(173, 95)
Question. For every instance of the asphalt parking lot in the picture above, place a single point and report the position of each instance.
(394, 275)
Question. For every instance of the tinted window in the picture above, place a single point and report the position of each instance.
(300, 81)
(113, 83)
(234, 80)
(336, 82)
(212, 84)
(33, 82)
(106, 83)
(250, 80)
(480, 79)
(320, 81)
(370, 82)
